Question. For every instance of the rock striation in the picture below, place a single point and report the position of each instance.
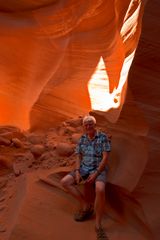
(54, 57)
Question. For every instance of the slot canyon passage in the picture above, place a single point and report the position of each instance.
(60, 60)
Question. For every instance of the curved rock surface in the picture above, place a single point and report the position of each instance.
(50, 46)
(54, 57)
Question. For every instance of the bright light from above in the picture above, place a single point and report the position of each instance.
(98, 86)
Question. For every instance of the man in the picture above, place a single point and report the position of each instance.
(91, 165)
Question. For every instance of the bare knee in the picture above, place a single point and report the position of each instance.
(67, 181)
(100, 188)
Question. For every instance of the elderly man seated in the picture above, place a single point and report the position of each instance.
(91, 166)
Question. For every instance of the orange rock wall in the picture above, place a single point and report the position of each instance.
(50, 49)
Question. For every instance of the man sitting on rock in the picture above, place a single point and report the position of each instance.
(91, 166)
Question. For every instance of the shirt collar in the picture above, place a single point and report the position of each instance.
(95, 136)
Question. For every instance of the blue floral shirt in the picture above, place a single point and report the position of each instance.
(92, 150)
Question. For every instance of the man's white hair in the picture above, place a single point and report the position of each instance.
(89, 118)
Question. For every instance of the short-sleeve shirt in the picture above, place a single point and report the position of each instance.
(92, 150)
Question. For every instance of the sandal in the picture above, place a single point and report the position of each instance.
(83, 215)
(101, 235)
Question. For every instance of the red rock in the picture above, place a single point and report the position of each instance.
(64, 149)
(17, 143)
(22, 161)
(12, 129)
(70, 130)
(35, 138)
(75, 137)
(75, 122)
(6, 162)
(4, 141)
(37, 150)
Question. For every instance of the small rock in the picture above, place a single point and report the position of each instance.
(2, 228)
(2, 208)
(17, 143)
(2, 199)
(4, 141)
(79, 129)
(35, 138)
(51, 145)
(22, 162)
(7, 135)
(45, 156)
(4, 129)
(37, 150)
(72, 162)
(70, 130)
(65, 149)
(10, 135)
(3, 182)
(63, 164)
(75, 138)
(2, 193)
(6, 162)
(61, 131)
(75, 122)
(64, 124)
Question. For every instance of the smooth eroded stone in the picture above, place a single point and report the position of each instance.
(65, 149)
(37, 150)
(5, 162)
(17, 143)
(75, 137)
(75, 122)
(4, 129)
(45, 156)
(70, 130)
(22, 161)
(4, 141)
(35, 138)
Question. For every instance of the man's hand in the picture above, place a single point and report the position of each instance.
(78, 177)
(92, 177)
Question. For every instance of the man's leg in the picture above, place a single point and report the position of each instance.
(99, 202)
(89, 193)
(68, 183)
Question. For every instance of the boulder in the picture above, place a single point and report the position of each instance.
(22, 161)
(12, 129)
(9, 135)
(6, 162)
(49, 155)
(70, 130)
(75, 122)
(65, 149)
(17, 143)
(37, 150)
(4, 141)
(35, 138)
(75, 138)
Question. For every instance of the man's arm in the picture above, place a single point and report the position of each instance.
(78, 161)
(103, 163)
(100, 168)
(106, 148)
(77, 169)
(78, 152)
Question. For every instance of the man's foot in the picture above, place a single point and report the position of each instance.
(83, 215)
(101, 235)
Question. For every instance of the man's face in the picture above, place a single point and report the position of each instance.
(89, 127)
